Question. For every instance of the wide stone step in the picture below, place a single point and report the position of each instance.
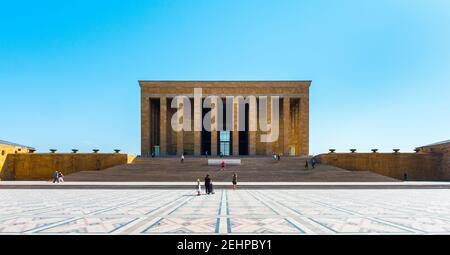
(253, 169)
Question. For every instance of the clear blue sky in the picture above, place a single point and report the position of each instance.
(380, 69)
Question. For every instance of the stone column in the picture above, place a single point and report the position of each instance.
(253, 126)
(235, 127)
(269, 150)
(286, 124)
(214, 127)
(163, 125)
(304, 125)
(180, 134)
(145, 126)
(197, 125)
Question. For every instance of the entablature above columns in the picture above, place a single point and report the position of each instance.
(151, 95)
(292, 89)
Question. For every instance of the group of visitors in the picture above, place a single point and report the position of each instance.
(311, 161)
(58, 177)
(209, 187)
(276, 157)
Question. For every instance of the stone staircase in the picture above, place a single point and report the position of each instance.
(253, 169)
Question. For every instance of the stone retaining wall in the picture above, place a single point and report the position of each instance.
(40, 166)
(417, 166)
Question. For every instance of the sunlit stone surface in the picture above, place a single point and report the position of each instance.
(408, 211)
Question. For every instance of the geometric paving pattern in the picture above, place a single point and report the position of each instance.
(297, 212)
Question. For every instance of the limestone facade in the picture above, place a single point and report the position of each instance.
(158, 136)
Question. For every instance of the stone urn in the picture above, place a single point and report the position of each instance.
(74, 150)
(374, 150)
(332, 150)
(352, 150)
(95, 150)
(53, 150)
(117, 151)
(396, 150)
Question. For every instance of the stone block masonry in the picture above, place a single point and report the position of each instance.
(156, 98)
(40, 166)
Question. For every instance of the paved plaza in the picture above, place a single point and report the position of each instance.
(271, 211)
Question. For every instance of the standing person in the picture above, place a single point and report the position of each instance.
(199, 187)
(211, 187)
(182, 158)
(208, 184)
(55, 177)
(234, 181)
(313, 162)
(306, 164)
(222, 165)
(206, 154)
(279, 157)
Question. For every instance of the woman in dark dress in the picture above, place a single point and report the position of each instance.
(234, 181)
(208, 184)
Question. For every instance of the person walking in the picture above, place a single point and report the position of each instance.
(234, 181)
(306, 164)
(222, 165)
(199, 188)
(313, 162)
(55, 177)
(208, 184)
(182, 158)
(60, 177)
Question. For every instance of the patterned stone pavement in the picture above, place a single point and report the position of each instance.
(147, 212)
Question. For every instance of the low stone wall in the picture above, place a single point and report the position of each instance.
(418, 166)
(446, 163)
(40, 166)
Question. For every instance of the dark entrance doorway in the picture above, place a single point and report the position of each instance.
(154, 126)
(243, 135)
(206, 136)
(224, 141)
